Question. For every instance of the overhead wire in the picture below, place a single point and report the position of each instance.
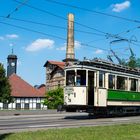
(96, 40)
(108, 35)
(31, 30)
(128, 30)
(105, 50)
(61, 17)
(93, 11)
(58, 37)
(81, 8)
(17, 8)
(50, 25)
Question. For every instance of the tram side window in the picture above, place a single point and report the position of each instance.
(101, 79)
(81, 77)
(133, 84)
(70, 78)
(111, 81)
(120, 82)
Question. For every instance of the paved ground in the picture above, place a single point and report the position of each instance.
(25, 112)
(10, 124)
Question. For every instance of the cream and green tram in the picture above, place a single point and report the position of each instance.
(101, 87)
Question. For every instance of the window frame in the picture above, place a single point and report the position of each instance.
(68, 80)
(102, 80)
(119, 83)
(81, 79)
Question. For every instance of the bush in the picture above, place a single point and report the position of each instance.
(54, 98)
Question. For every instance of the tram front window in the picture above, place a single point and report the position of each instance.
(81, 78)
(70, 76)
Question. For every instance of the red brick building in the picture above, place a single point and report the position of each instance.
(54, 74)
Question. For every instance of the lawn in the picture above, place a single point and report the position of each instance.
(115, 132)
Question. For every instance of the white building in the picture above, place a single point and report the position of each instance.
(25, 96)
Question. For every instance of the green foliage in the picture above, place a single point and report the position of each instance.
(138, 62)
(123, 62)
(132, 61)
(54, 98)
(5, 88)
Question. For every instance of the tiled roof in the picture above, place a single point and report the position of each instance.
(42, 89)
(57, 63)
(61, 66)
(21, 88)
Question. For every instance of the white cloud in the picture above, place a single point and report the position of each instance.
(99, 51)
(11, 44)
(77, 45)
(63, 48)
(118, 7)
(9, 36)
(40, 44)
(1, 38)
(12, 36)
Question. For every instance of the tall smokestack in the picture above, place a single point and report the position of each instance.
(70, 37)
(70, 56)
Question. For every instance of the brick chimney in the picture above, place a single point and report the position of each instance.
(70, 55)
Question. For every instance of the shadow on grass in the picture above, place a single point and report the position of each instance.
(4, 136)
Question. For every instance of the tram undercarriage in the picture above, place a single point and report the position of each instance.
(104, 111)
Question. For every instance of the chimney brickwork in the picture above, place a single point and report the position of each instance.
(70, 55)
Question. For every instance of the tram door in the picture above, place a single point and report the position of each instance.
(90, 88)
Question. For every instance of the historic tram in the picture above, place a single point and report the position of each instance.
(101, 87)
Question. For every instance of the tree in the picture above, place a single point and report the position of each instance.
(54, 98)
(138, 62)
(5, 88)
(132, 61)
(123, 62)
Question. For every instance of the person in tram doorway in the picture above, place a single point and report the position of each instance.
(78, 82)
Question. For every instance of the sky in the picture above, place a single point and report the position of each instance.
(34, 44)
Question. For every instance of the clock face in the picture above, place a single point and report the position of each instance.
(12, 64)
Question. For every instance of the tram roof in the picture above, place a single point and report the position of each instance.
(99, 63)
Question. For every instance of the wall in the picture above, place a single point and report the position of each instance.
(54, 77)
(25, 103)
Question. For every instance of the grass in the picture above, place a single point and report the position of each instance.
(115, 132)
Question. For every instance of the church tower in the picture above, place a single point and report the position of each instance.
(11, 64)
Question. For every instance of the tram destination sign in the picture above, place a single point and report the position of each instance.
(69, 90)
